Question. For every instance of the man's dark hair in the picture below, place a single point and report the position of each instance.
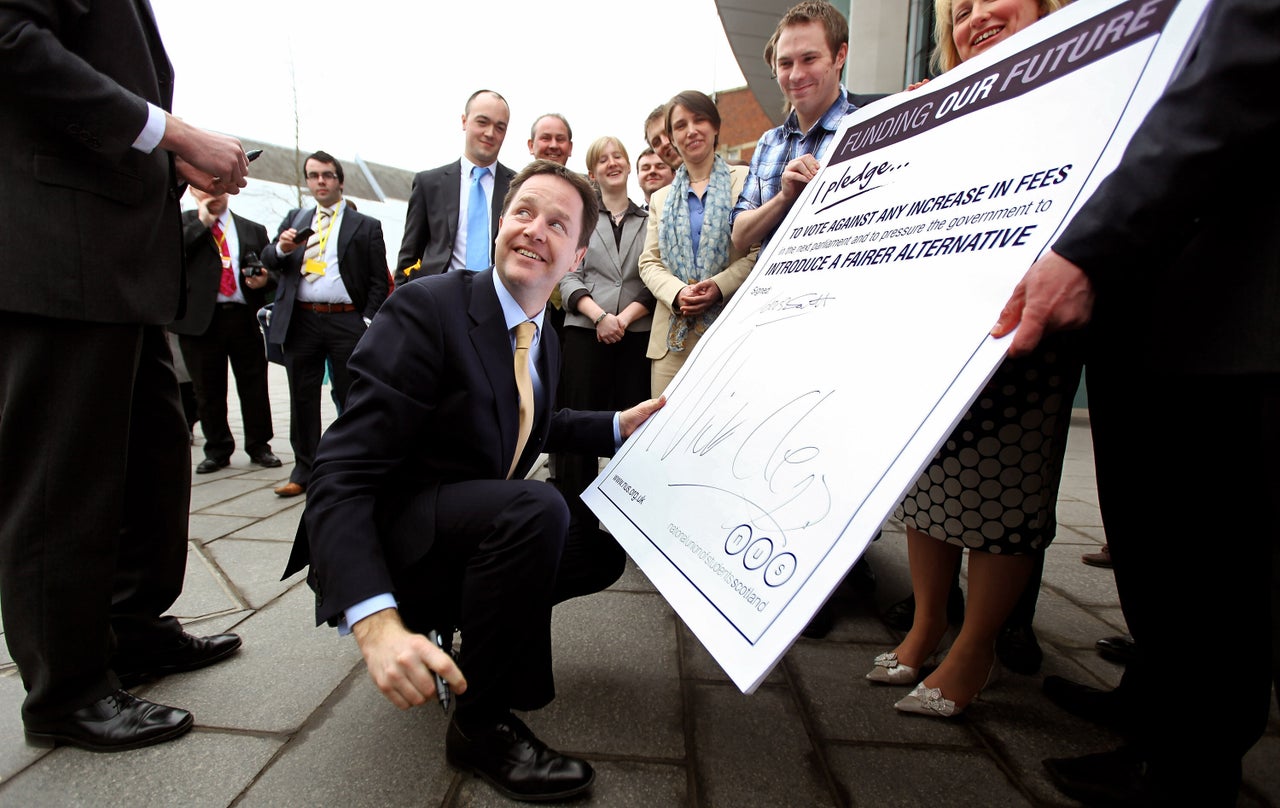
(834, 25)
(590, 208)
(648, 150)
(325, 157)
(659, 114)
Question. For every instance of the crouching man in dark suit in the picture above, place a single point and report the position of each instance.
(418, 516)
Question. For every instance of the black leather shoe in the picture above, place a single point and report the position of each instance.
(821, 624)
(1120, 649)
(516, 763)
(1105, 778)
(266, 460)
(209, 465)
(1018, 650)
(118, 722)
(1104, 707)
(862, 578)
(900, 615)
(187, 654)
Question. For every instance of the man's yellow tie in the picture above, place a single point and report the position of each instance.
(524, 385)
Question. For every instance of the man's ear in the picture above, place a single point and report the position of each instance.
(582, 253)
(841, 54)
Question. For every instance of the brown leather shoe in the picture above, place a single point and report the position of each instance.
(290, 490)
(1102, 558)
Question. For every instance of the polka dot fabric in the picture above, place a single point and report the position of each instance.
(993, 486)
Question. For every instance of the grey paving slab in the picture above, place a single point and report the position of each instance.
(617, 677)
(1065, 623)
(285, 670)
(261, 501)
(754, 750)
(255, 566)
(1261, 770)
(619, 784)
(888, 777)
(205, 590)
(219, 491)
(199, 769)
(1082, 583)
(204, 527)
(1076, 513)
(696, 661)
(15, 755)
(280, 526)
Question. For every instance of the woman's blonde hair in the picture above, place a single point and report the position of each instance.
(945, 55)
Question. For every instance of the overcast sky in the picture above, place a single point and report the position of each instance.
(387, 79)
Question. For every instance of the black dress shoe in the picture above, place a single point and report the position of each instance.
(209, 465)
(118, 722)
(1018, 650)
(821, 624)
(1120, 649)
(266, 460)
(187, 654)
(900, 615)
(1105, 707)
(516, 763)
(1105, 778)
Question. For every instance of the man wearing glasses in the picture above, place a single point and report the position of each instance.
(332, 268)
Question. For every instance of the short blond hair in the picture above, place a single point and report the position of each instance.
(945, 55)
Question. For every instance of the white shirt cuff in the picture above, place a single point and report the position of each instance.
(354, 614)
(153, 132)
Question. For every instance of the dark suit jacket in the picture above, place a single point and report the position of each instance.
(362, 260)
(90, 225)
(1181, 241)
(431, 223)
(204, 270)
(432, 401)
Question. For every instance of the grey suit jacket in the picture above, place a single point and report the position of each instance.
(611, 275)
(91, 226)
(431, 223)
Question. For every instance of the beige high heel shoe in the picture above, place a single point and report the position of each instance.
(929, 701)
(889, 670)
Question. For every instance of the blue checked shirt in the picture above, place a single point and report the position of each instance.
(781, 145)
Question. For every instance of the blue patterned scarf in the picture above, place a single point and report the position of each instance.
(675, 242)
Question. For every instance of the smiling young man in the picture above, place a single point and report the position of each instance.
(441, 220)
(806, 53)
(550, 138)
(652, 172)
(419, 517)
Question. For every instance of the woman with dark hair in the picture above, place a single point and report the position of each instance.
(689, 262)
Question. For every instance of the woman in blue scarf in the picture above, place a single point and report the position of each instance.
(689, 262)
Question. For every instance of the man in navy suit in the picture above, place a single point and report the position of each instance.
(1176, 275)
(435, 225)
(95, 463)
(419, 516)
(331, 283)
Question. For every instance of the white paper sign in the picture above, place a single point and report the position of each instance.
(835, 372)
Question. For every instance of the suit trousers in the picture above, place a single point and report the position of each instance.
(95, 470)
(1176, 456)
(314, 338)
(233, 336)
(504, 554)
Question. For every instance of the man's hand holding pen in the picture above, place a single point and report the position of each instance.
(403, 664)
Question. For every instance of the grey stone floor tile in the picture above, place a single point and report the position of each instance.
(1077, 514)
(1095, 532)
(889, 777)
(286, 668)
(1261, 772)
(200, 769)
(696, 661)
(831, 683)
(617, 678)
(255, 566)
(260, 501)
(359, 750)
(754, 750)
(619, 784)
(1077, 541)
(1091, 586)
(205, 590)
(1066, 624)
(215, 492)
(281, 526)
(205, 527)
(15, 755)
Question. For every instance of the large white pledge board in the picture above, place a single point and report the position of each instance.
(860, 338)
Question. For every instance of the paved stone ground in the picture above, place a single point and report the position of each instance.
(292, 720)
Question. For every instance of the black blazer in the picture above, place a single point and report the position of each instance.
(431, 223)
(204, 270)
(90, 226)
(432, 400)
(1184, 267)
(362, 260)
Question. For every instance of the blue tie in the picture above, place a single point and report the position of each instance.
(477, 222)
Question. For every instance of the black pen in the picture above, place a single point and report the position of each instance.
(442, 687)
(253, 154)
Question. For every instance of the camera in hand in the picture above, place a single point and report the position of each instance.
(251, 264)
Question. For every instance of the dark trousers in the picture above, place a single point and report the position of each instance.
(596, 376)
(1179, 457)
(505, 553)
(95, 482)
(314, 338)
(233, 336)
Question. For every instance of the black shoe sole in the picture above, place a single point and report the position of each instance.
(50, 740)
(515, 795)
(203, 469)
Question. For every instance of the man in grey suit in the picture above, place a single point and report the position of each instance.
(1179, 289)
(94, 458)
(435, 226)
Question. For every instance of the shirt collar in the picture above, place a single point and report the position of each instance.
(467, 165)
(511, 311)
(830, 120)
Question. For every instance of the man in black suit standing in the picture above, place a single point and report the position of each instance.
(226, 285)
(332, 266)
(440, 214)
(1176, 275)
(94, 458)
(419, 516)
